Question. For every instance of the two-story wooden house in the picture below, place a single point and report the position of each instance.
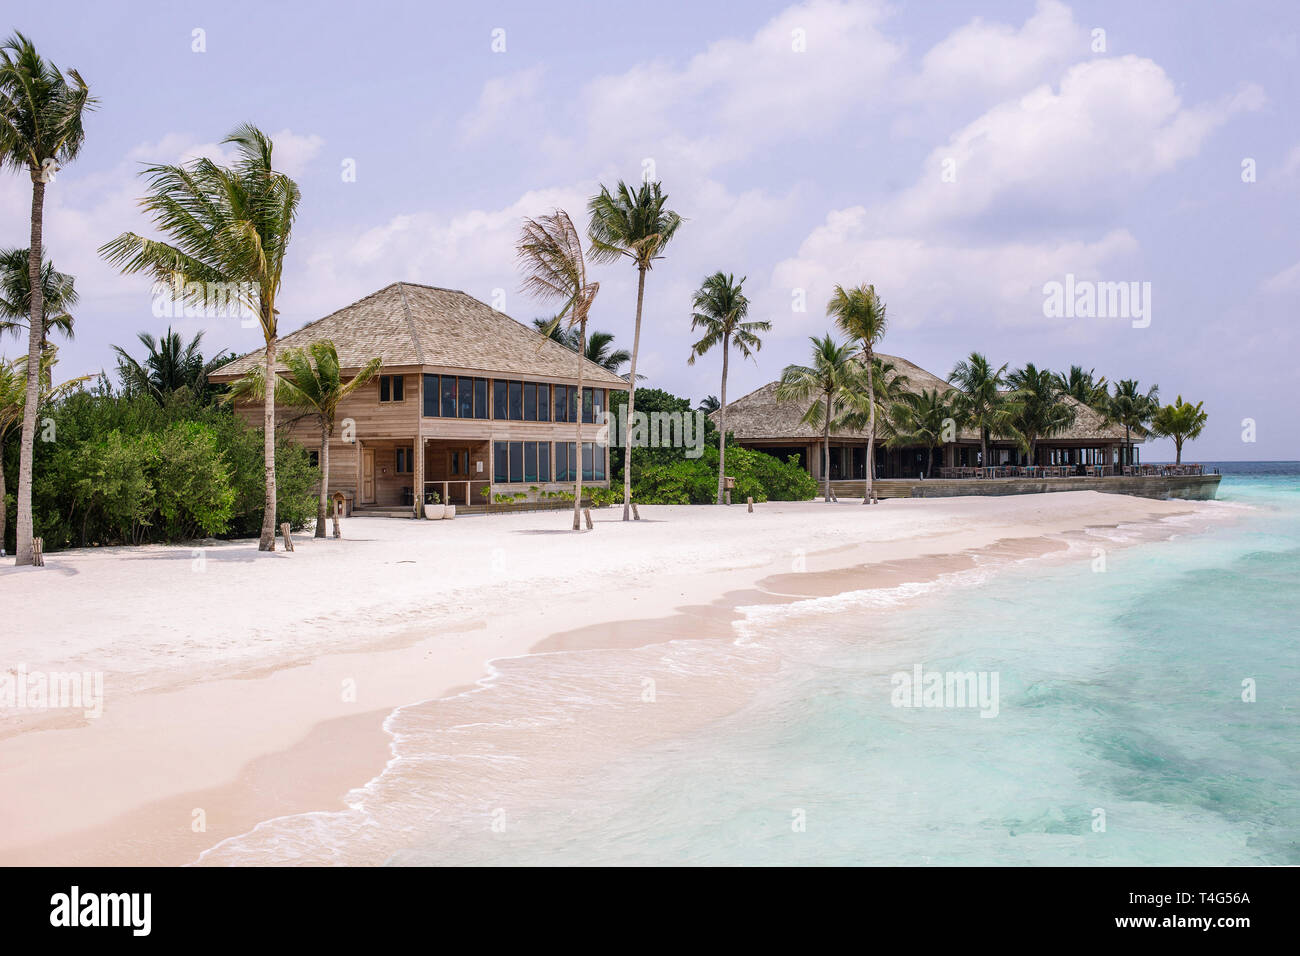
(467, 399)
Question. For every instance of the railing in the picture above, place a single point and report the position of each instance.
(458, 492)
(1072, 471)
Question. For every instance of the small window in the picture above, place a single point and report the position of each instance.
(314, 458)
(405, 461)
(392, 388)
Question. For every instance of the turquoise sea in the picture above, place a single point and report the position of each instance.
(1147, 712)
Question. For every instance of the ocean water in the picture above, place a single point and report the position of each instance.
(1147, 711)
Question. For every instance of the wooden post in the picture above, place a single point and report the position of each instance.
(750, 501)
(284, 533)
(417, 477)
(586, 513)
(338, 506)
(38, 552)
(636, 515)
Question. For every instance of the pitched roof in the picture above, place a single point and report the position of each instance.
(761, 415)
(410, 324)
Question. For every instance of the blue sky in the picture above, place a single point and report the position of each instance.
(798, 168)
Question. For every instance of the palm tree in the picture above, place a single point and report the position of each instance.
(867, 393)
(312, 381)
(720, 310)
(13, 398)
(600, 345)
(860, 314)
(58, 295)
(981, 400)
(709, 404)
(823, 382)
(40, 130)
(923, 419)
(554, 269)
(169, 364)
(1043, 408)
(1131, 407)
(1084, 386)
(230, 229)
(1180, 421)
(636, 225)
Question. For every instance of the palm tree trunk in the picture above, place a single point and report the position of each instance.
(826, 449)
(324, 480)
(1178, 460)
(35, 333)
(267, 541)
(871, 425)
(722, 422)
(929, 462)
(631, 399)
(582, 363)
(4, 505)
(984, 447)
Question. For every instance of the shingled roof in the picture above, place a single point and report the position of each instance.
(761, 416)
(407, 324)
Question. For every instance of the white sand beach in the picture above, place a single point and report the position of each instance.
(248, 686)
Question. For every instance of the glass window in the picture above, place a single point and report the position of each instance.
(561, 403)
(430, 396)
(399, 388)
(516, 401)
(561, 461)
(516, 460)
(480, 398)
(501, 459)
(499, 404)
(586, 461)
(543, 403)
(405, 461)
(573, 403)
(592, 400)
(598, 402)
(530, 461)
(449, 396)
(465, 398)
(598, 454)
(530, 402)
(543, 461)
(385, 388)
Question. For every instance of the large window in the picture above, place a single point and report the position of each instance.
(566, 462)
(392, 388)
(593, 461)
(517, 462)
(449, 396)
(561, 404)
(543, 461)
(500, 403)
(530, 402)
(516, 401)
(593, 403)
(543, 402)
(501, 463)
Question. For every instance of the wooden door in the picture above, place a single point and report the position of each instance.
(368, 476)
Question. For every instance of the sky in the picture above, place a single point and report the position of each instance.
(961, 157)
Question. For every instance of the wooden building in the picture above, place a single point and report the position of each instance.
(467, 399)
(761, 421)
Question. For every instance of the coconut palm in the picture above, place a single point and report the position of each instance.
(1131, 407)
(13, 399)
(169, 364)
(709, 404)
(58, 295)
(720, 308)
(860, 314)
(230, 230)
(41, 130)
(313, 382)
(823, 382)
(1043, 408)
(549, 252)
(635, 225)
(1180, 421)
(883, 383)
(926, 418)
(981, 400)
(600, 345)
(1084, 386)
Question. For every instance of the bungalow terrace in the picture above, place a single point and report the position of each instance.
(467, 400)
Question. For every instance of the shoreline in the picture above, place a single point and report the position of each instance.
(284, 750)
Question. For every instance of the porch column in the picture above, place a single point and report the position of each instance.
(417, 477)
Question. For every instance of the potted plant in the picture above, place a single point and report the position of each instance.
(449, 511)
(433, 508)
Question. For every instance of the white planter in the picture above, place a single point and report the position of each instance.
(449, 511)
(433, 512)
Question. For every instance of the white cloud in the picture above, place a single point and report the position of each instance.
(1285, 282)
(502, 98)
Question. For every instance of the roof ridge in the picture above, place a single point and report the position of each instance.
(410, 323)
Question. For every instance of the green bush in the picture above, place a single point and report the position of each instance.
(695, 480)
